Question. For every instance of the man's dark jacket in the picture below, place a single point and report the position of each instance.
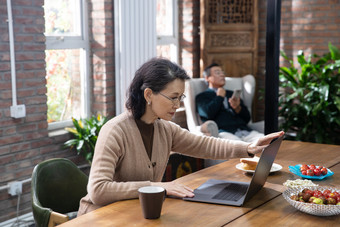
(210, 107)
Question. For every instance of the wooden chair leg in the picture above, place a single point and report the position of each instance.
(56, 219)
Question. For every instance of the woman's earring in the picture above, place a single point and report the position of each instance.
(149, 102)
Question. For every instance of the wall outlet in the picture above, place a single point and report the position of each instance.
(18, 111)
(15, 188)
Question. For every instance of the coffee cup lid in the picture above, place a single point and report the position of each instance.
(151, 189)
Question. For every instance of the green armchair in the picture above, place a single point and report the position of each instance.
(57, 187)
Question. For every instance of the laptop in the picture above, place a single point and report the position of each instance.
(237, 193)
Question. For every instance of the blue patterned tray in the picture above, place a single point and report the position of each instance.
(296, 170)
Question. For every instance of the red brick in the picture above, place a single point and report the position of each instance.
(6, 159)
(36, 135)
(26, 128)
(36, 118)
(4, 66)
(20, 146)
(10, 131)
(33, 11)
(6, 140)
(27, 172)
(4, 150)
(35, 65)
(41, 143)
(26, 154)
(18, 165)
(36, 100)
(25, 57)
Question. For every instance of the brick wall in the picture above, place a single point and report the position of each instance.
(26, 141)
(102, 56)
(189, 39)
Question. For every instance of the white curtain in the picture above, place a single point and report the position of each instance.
(135, 42)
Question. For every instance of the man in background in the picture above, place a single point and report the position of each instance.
(226, 109)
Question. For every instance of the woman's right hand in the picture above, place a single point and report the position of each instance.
(175, 189)
(258, 146)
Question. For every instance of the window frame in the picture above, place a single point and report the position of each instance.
(167, 40)
(75, 42)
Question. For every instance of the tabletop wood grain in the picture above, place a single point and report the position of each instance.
(266, 205)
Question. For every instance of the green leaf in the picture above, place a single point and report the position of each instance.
(335, 53)
(337, 120)
(301, 57)
(80, 145)
(337, 102)
(78, 127)
(307, 107)
(283, 54)
(86, 133)
(287, 73)
(89, 156)
(324, 92)
(71, 142)
(317, 109)
(72, 130)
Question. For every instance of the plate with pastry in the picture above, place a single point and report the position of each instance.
(249, 165)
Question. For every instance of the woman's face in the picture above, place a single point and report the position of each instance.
(165, 103)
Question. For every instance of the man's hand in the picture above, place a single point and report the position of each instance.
(220, 92)
(235, 104)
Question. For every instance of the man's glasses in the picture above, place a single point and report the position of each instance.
(176, 100)
(219, 73)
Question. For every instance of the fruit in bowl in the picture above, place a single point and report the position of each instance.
(315, 200)
(326, 197)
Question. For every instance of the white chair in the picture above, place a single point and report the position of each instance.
(197, 85)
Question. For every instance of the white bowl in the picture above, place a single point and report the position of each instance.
(310, 208)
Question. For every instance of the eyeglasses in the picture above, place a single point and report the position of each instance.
(219, 72)
(176, 100)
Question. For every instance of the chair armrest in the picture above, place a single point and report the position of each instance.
(56, 219)
(257, 126)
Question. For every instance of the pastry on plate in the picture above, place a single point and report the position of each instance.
(249, 163)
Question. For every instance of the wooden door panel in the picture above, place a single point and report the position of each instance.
(229, 35)
(227, 41)
(233, 64)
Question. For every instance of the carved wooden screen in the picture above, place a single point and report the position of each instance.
(229, 35)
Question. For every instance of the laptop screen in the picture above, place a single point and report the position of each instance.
(263, 167)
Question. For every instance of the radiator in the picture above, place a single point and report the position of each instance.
(135, 42)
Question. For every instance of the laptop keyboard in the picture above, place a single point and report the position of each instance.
(231, 192)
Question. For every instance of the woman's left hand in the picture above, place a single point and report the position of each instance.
(175, 189)
(260, 144)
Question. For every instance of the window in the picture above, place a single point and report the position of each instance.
(167, 29)
(67, 61)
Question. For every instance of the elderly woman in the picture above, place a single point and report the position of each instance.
(133, 148)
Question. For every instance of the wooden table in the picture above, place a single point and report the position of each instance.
(266, 207)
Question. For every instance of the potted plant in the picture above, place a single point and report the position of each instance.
(85, 133)
(310, 101)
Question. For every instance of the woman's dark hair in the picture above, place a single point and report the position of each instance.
(154, 74)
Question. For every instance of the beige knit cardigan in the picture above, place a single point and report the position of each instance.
(121, 165)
